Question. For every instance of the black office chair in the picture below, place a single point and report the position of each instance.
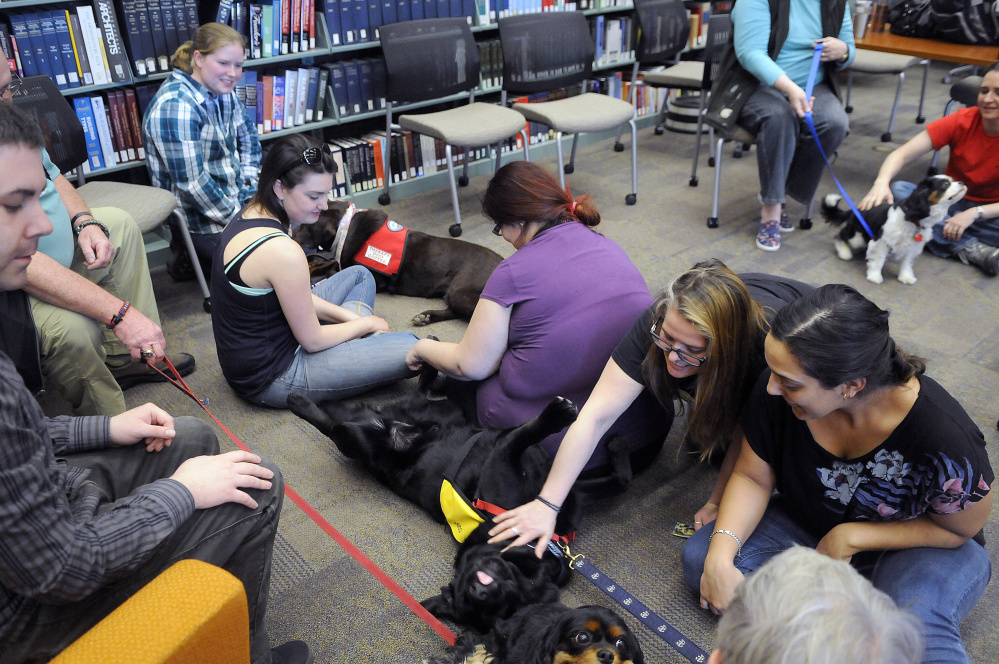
(664, 32)
(553, 50)
(66, 144)
(719, 31)
(432, 58)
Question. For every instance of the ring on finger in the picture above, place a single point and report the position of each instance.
(149, 353)
(513, 529)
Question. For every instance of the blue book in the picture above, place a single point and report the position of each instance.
(224, 12)
(20, 29)
(331, 9)
(158, 35)
(361, 20)
(86, 114)
(469, 11)
(191, 13)
(402, 12)
(135, 37)
(38, 47)
(347, 21)
(338, 87)
(366, 86)
(65, 46)
(416, 9)
(388, 12)
(374, 18)
(352, 78)
(152, 61)
(278, 119)
(180, 20)
(429, 8)
(310, 95)
(443, 9)
(278, 8)
(455, 8)
(169, 25)
(260, 105)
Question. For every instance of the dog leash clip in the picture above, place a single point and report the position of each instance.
(574, 560)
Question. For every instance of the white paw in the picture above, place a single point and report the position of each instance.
(907, 278)
(832, 200)
(875, 277)
(843, 250)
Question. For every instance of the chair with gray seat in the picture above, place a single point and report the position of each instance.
(866, 61)
(432, 58)
(66, 144)
(551, 51)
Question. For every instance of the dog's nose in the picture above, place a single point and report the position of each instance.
(605, 656)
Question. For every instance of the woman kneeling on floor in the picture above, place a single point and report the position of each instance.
(874, 463)
(274, 333)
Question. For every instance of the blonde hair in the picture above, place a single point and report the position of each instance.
(714, 300)
(209, 38)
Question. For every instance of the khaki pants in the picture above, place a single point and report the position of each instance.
(74, 347)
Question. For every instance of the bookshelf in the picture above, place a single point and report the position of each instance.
(325, 52)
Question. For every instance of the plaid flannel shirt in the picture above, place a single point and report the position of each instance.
(202, 147)
(55, 546)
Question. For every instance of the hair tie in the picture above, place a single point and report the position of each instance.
(572, 207)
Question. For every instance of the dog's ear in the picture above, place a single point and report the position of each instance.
(637, 656)
(441, 606)
(917, 205)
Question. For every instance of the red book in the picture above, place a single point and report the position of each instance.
(268, 102)
(312, 23)
(296, 25)
(285, 26)
(134, 122)
(119, 136)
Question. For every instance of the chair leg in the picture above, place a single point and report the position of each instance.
(885, 137)
(618, 145)
(571, 166)
(558, 151)
(697, 144)
(498, 157)
(632, 198)
(849, 90)
(806, 222)
(198, 273)
(527, 144)
(661, 113)
(463, 180)
(455, 229)
(920, 118)
(385, 198)
(713, 219)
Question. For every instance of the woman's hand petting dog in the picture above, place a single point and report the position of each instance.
(529, 522)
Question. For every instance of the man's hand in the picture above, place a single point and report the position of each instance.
(140, 334)
(97, 249)
(148, 423)
(214, 480)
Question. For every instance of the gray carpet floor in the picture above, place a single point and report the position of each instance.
(322, 595)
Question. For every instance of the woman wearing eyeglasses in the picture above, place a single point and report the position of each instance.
(275, 334)
(700, 344)
(549, 316)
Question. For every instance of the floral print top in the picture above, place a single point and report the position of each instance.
(934, 461)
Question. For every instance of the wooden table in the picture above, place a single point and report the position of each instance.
(930, 48)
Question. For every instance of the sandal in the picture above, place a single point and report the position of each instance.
(768, 236)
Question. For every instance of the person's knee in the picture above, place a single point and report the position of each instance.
(195, 436)
(71, 334)
(692, 557)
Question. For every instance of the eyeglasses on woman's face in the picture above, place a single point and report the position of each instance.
(12, 87)
(684, 356)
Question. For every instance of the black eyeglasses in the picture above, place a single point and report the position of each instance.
(498, 228)
(13, 86)
(313, 156)
(684, 356)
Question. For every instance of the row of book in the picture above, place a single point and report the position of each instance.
(113, 128)
(615, 39)
(355, 21)
(75, 46)
(155, 29)
(699, 13)
(272, 28)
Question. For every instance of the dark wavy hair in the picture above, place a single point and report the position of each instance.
(284, 162)
(523, 191)
(837, 335)
(19, 128)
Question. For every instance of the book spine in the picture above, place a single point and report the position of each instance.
(331, 9)
(150, 52)
(121, 125)
(267, 30)
(38, 47)
(321, 85)
(136, 41)
(65, 40)
(296, 25)
(259, 120)
(169, 17)
(52, 51)
(301, 96)
(278, 121)
(268, 103)
(285, 26)
(85, 112)
(108, 25)
(311, 93)
(256, 31)
(92, 43)
(224, 12)
(134, 122)
(103, 131)
(290, 91)
(24, 47)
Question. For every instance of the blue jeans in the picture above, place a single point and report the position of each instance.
(986, 232)
(938, 586)
(349, 368)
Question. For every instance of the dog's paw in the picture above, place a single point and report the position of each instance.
(843, 250)
(907, 278)
(832, 200)
(419, 320)
(562, 410)
(875, 277)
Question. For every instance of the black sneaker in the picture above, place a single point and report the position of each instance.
(981, 255)
(292, 652)
(179, 265)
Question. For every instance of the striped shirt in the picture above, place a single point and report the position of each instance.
(202, 147)
(56, 546)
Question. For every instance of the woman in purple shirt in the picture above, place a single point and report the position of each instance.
(549, 316)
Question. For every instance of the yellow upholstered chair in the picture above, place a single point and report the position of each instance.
(192, 612)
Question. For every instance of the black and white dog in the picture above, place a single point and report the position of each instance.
(901, 229)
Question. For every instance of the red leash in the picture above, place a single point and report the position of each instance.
(320, 521)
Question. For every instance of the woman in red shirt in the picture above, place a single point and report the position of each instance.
(972, 231)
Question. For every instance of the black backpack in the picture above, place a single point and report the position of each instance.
(911, 18)
(966, 21)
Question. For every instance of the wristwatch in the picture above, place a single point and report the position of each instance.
(981, 213)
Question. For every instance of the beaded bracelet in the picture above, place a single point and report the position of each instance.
(730, 534)
(548, 503)
(118, 316)
(93, 222)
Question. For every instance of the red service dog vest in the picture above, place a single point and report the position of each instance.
(384, 249)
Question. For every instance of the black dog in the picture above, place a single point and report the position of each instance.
(490, 584)
(553, 634)
(431, 266)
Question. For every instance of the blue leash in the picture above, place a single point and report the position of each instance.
(690, 650)
(811, 125)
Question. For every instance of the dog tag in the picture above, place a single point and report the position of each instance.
(918, 237)
(682, 530)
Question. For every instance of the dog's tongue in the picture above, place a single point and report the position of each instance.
(484, 578)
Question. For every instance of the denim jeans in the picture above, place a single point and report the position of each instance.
(786, 155)
(938, 586)
(986, 231)
(349, 368)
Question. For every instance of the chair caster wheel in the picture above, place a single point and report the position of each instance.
(454, 230)
(660, 130)
(737, 153)
(619, 147)
(462, 180)
(804, 223)
(712, 222)
(886, 137)
(568, 169)
(693, 181)
(848, 109)
(630, 199)
(207, 305)
(711, 162)
(384, 199)
(920, 119)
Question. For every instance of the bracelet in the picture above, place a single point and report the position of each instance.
(93, 222)
(548, 503)
(981, 213)
(118, 316)
(730, 534)
(78, 215)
